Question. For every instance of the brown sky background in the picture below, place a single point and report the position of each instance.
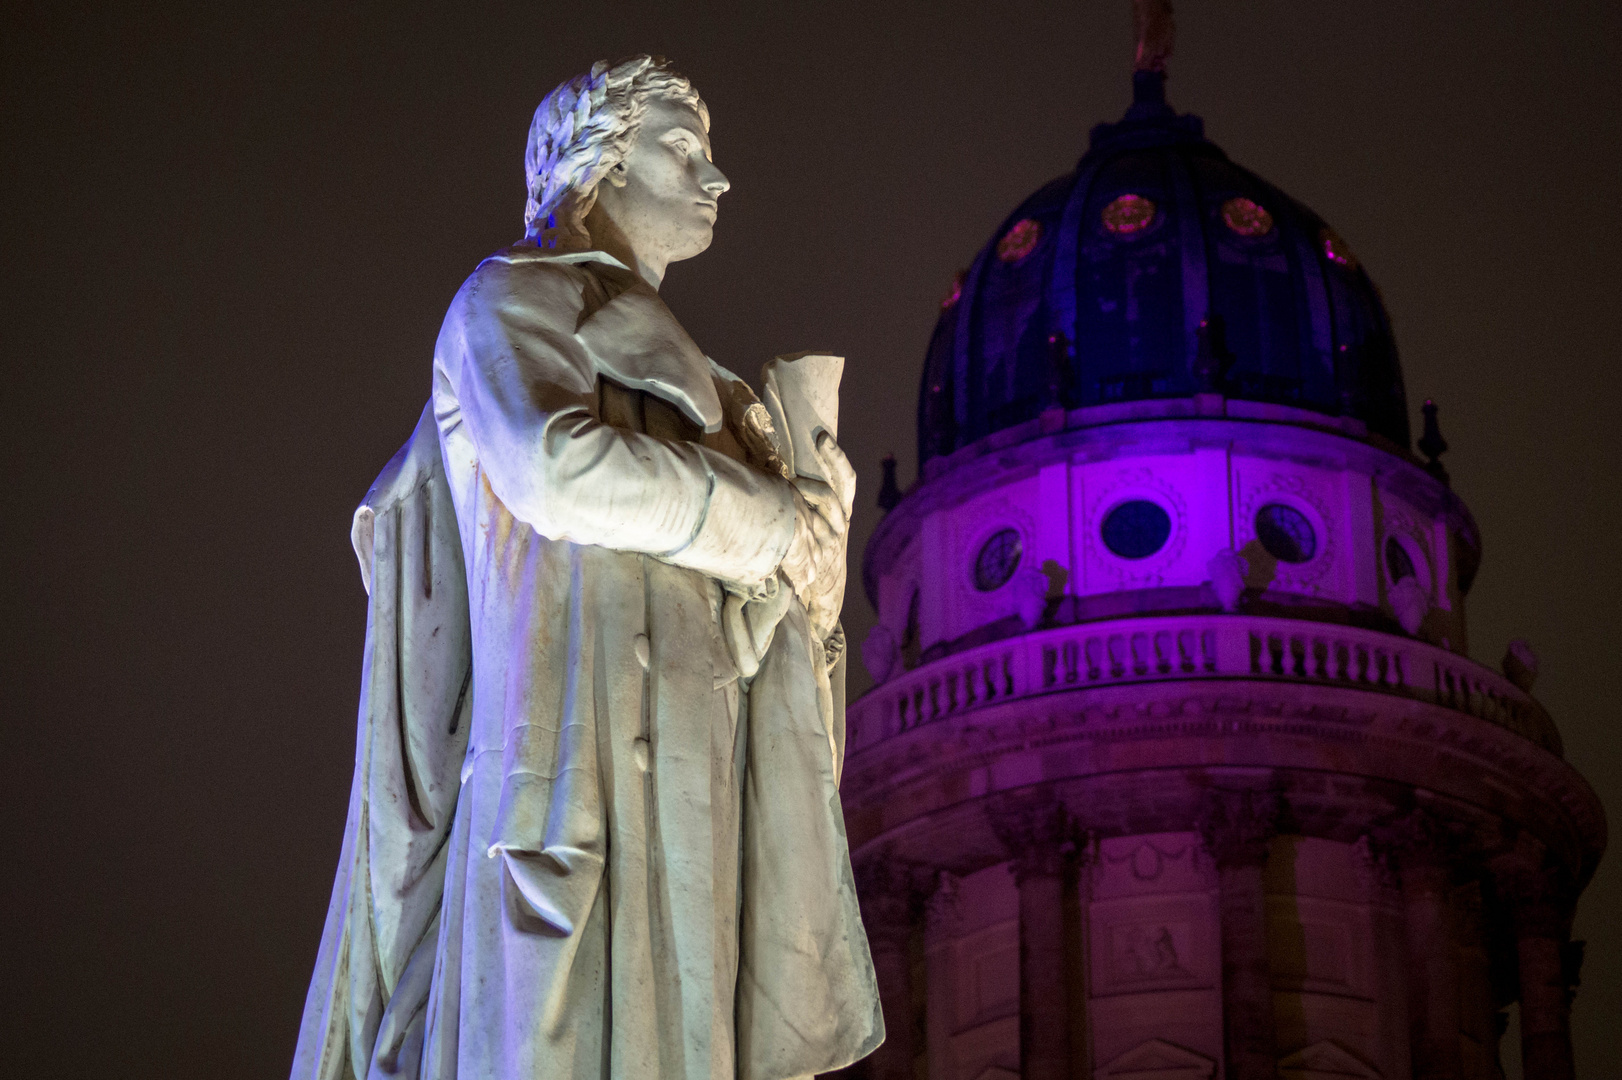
(229, 236)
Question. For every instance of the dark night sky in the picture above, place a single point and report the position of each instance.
(229, 239)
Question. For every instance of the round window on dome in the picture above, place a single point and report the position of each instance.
(1398, 563)
(1020, 240)
(1128, 214)
(1247, 218)
(1136, 529)
(997, 561)
(1285, 533)
(1337, 250)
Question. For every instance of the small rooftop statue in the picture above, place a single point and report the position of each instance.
(595, 830)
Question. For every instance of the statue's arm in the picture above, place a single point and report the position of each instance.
(527, 392)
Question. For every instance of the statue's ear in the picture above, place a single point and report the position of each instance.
(616, 176)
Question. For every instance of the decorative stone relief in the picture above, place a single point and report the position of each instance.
(1410, 603)
(1105, 569)
(1157, 1059)
(881, 653)
(975, 524)
(1238, 826)
(1148, 942)
(1326, 1060)
(1228, 570)
(1304, 494)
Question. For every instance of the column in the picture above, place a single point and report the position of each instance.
(1237, 828)
(1541, 904)
(889, 903)
(1390, 955)
(1038, 837)
(940, 931)
(1424, 849)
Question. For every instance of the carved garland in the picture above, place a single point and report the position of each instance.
(1135, 573)
(1298, 492)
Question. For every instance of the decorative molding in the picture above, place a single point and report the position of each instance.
(1141, 482)
(1038, 834)
(1418, 838)
(1326, 1060)
(1237, 827)
(1157, 1059)
(1304, 494)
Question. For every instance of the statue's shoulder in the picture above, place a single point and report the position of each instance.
(529, 277)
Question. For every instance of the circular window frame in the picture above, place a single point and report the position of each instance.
(1153, 227)
(1417, 555)
(1136, 497)
(1298, 574)
(1313, 527)
(977, 548)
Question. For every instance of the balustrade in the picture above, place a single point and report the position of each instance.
(1193, 647)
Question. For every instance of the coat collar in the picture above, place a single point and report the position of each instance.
(636, 341)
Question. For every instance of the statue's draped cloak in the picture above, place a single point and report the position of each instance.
(593, 832)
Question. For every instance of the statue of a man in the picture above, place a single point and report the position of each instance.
(595, 830)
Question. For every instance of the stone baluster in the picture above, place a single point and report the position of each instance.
(1039, 838)
(1541, 900)
(890, 906)
(1425, 851)
(1237, 828)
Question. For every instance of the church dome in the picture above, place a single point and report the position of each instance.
(1158, 269)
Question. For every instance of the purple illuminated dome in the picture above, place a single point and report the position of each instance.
(1155, 233)
(1176, 764)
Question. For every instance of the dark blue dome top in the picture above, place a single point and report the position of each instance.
(1158, 269)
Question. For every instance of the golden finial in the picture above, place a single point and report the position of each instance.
(1151, 20)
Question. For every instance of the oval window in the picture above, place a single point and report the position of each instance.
(1020, 240)
(1128, 214)
(997, 561)
(1246, 218)
(1136, 529)
(1286, 533)
(1397, 560)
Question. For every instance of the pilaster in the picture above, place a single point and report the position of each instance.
(1040, 840)
(1237, 828)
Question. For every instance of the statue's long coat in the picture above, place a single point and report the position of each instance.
(594, 830)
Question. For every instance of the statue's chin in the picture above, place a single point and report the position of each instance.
(695, 242)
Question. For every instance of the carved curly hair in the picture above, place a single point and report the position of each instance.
(584, 128)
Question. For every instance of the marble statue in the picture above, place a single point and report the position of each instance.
(595, 828)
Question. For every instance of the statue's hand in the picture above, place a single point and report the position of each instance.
(819, 527)
(815, 564)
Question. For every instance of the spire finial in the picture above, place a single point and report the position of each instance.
(1431, 443)
(889, 490)
(1152, 23)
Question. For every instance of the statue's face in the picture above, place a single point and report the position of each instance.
(663, 196)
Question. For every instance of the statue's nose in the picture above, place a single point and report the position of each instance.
(713, 180)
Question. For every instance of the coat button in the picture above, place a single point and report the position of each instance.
(640, 646)
(639, 753)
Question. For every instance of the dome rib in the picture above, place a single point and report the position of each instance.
(1299, 328)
